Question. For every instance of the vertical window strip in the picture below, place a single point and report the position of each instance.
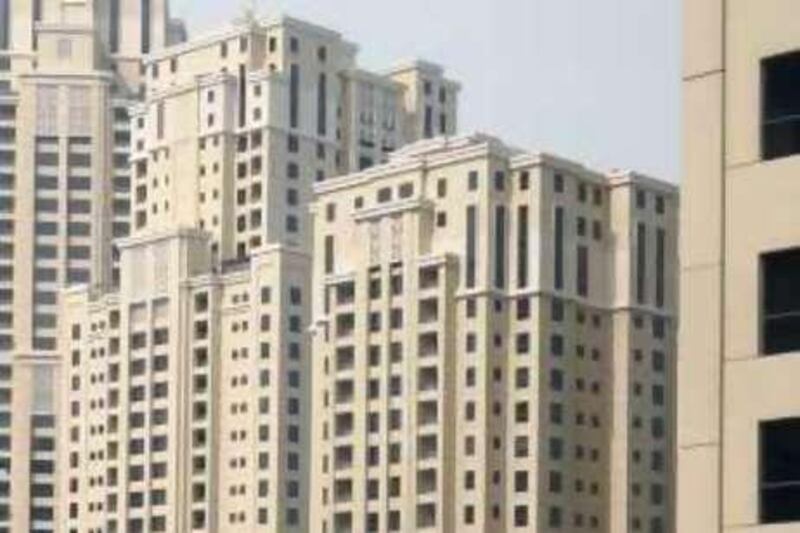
(558, 256)
(471, 246)
(641, 263)
(242, 96)
(322, 105)
(145, 26)
(522, 246)
(294, 95)
(500, 247)
(660, 243)
(329, 265)
(583, 270)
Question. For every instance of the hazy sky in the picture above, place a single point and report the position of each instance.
(593, 80)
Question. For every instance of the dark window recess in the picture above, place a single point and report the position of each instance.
(322, 105)
(522, 246)
(428, 122)
(113, 26)
(329, 265)
(145, 26)
(641, 263)
(780, 106)
(780, 305)
(294, 95)
(779, 476)
(500, 247)
(5, 24)
(242, 96)
(471, 245)
(160, 120)
(583, 271)
(558, 255)
(473, 180)
(660, 243)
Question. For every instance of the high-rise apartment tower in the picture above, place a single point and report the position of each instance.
(188, 385)
(69, 70)
(494, 340)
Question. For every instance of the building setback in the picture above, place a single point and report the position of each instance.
(69, 70)
(494, 345)
(739, 410)
(188, 384)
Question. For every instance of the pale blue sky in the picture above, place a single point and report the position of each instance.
(593, 80)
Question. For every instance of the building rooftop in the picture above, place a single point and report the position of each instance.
(442, 150)
(244, 26)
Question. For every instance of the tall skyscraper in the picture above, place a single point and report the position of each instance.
(186, 388)
(69, 70)
(494, 345)
(739, 413)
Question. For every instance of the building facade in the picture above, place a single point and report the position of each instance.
(188, 385)
(739, 413)
(494, 345)
(185, 388)
(69, 70)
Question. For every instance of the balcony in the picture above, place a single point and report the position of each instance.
(344, 391)
(343, 457)
(426, 481)
(343, 491)
(427, 413)
(426, 515)
(428, 278)
(345, 358)
(343, 425)
(428, 344)
(428, 311)
(427, 447)
(345, 293)
(428, 379)
(345, 324)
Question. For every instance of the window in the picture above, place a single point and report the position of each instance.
(660, 258)
(428, 122)
(558, 256)
(145, 27)
(780, 301)
(441, 188)
(779, 476)
(242, 95)
(583, 271)
(160, 120)
(294, 94)
(499, 180)
(500, 247)
(384, 195)
(406, 190)
(329, 254)
(524, 180)
(522, 246)
(780, 106)
(322, 105)
(558, 183)
(641, 263)
(473, 180)
(471, 246)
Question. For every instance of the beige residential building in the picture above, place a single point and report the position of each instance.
(69, 70)
(739, 410)
(494, 345)
(186, 387)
